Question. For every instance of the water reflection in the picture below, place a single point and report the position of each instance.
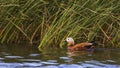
(27, 56)
(79, 53)
(94, 59)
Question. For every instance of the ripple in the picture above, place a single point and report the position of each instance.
(85, 65)
(10, 65)
(70, 66)
(51, 66)
(28, 60)
(13, 57)
(94, 62)
(97, 64)
(34, 55)
(112, 61)
(20, 65)
(66, 59)
(32, 64)
(112, 66)
(1, 58)
(50, 62)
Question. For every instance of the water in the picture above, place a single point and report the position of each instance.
(26, 56)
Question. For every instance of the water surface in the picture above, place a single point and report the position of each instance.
(26, 56)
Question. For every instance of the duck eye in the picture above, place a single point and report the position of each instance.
(68, 39)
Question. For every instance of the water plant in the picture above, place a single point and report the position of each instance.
(48, 23)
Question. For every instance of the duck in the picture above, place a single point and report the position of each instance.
(80, 46)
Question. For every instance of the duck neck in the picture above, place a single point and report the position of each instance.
(71, 43)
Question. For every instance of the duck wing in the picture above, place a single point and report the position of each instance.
(82, 46)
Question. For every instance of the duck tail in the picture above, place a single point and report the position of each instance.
(93, 43)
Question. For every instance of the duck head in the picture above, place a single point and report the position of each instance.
(70, 41)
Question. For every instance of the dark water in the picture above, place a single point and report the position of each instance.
(30, 57)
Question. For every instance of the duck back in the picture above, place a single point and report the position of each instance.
(80, 46)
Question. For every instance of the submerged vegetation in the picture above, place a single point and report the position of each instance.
(49, 22)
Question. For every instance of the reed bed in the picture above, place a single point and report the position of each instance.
(49, 22)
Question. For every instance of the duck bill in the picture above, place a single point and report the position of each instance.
(64, 40)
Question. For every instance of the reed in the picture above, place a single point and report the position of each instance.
(48, 23)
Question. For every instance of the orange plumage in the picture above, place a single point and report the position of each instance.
(78, 47)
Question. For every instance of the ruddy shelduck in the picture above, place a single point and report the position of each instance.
(80, 46)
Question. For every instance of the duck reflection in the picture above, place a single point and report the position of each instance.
(80, 53)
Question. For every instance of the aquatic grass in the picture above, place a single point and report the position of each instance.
(88, 21)
(48, 23)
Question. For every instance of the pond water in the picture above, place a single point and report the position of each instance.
(30, 57)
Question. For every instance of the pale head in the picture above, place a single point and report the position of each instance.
(70, 41)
